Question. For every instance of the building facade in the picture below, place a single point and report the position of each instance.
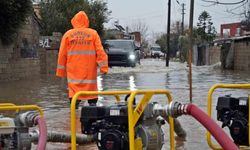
(231, 30)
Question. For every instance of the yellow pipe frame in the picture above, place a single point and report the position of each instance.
(133, 115)
(6, 104)
(209, 107)
(10, 106)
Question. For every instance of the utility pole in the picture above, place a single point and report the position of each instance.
(182, 22)
(168, 33)
(191, 18)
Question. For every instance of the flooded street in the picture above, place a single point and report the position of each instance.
(50, 93)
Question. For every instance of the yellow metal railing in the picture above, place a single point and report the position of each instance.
(10, 106)
(209, 108)
(6, 104)
(133, 114)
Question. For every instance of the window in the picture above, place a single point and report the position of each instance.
(226, 33)
(129, 45)
(237, 33)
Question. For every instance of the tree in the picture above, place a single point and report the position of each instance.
(12, 15)
(57, 14)
(162, 42)
(205, 29)
(183, 45)
(174, 36)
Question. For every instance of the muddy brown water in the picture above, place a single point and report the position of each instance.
(50, 93)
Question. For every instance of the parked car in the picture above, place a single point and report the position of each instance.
(122, 53)
(156, 52)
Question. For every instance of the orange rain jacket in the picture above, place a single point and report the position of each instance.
(80, 53)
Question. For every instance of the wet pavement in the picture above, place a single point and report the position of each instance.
(50, 93)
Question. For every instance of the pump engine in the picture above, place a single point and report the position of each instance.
(233, 113)
(13, 134)
(109, 125)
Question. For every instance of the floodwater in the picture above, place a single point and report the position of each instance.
(50, 93)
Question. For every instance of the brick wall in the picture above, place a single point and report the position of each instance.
(242, 55)
(21, 69)
(13, 66)
(5, 54)
(50, 45)
(49, 62)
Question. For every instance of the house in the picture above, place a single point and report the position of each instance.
(136, 36)
(120, 33)
(232, 30)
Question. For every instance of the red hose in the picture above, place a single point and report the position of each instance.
(212, 127)
(42, 141)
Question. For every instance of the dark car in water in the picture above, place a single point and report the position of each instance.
(122, 53)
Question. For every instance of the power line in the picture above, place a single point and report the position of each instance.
(231, 11)
(223, 3)
(234, 6)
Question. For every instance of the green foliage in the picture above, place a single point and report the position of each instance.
(162, 42)
(57, 14)
(183, 43)
(98, 15)
(173, 41)
(12, 15)
(205, 30)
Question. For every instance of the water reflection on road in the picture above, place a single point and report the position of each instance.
(50, 93)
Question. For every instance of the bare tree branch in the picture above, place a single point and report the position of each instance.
(140, 27)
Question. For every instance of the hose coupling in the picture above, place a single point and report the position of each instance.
(176, 109)
(28, 118)
(173, 109)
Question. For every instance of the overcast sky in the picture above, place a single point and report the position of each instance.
(154, 13)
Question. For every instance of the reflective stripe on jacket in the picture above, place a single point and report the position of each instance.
(80, 53)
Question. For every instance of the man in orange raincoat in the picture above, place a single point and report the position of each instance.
(81, 52)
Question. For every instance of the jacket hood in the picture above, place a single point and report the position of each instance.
(80, 20)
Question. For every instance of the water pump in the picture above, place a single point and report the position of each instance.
(109, 125)
(233, 113)
(14, 135)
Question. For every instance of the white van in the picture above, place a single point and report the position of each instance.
(156, 52)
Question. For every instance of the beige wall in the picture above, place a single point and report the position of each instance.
(242, 55)
(214, 55)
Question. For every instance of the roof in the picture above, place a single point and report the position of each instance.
(234, 38)
(239, 38)
(228, 24)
